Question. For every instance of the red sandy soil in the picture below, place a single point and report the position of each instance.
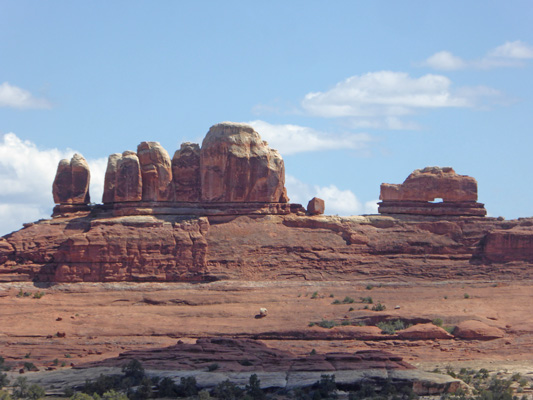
(100, 320)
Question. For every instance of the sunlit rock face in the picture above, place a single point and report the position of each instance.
(414, 196)
(71, 183)
(156, 171)
(237, 166)
(186, 173)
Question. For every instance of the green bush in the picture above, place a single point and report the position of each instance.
(113, 395)
(227, 390)
(466, 296)
(437, 322)
(167, 388)
(379, 307)
(253, 389)
(367, 300)
(187, 387)
(348, 300)
(134, 371)
(326, 323)
(336, 301)
(314, 295)
(4, 395)
(390, 327)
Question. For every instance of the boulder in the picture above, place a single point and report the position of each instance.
(156, 172)
(424, 332)
(237, 166)
(476, 330)
(128, 179)
(316, 206)
(186, 173)
(71, 183)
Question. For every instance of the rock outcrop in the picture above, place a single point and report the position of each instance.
(416, 194)
(71, 183)
(476, 330)
(156, 172)
(237, 166)
(186, 173)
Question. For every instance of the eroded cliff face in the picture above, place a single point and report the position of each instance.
(96, 247)
(88, 249)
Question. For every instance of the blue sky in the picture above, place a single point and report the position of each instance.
(352, 93)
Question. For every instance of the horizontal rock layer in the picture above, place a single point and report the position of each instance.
(102, 246)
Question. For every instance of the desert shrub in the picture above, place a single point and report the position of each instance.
(314, 295)
(366, 391)
(4, 395)
(327, 387)
(246, 363)
(466, 296)
(227, 390)
(81, 396)
(369, 287)
(336, 301)
(143, 391)
(345, 323)
(204, 395)
(253, 389)
(167, 388)
(187, 387)
(35, 392)
(350, 309)
(390, 327)
(103, 383)
(367, 300)
(134, 371)
(113, 395)
(326, 323)
(437, 322)
(38, 295)
(29, 366)
(348, 300)
(4, 381)
(449, 329)
(379, 307)
(20, 387)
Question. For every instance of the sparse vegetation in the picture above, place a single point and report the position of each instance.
(367, 300)
(326, 323)
(379, 307)
(437, 322)
(390, 327)
(369, 287)
(466, 296)
(346, 300)
(314, 295)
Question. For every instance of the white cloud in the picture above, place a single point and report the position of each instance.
(291, 139)
(384, 94)
(516, 49)
(26, 177)
(337, 201)
(444, 60)
(509, 54)
(15, 97)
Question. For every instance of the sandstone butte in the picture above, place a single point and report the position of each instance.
(221, 211)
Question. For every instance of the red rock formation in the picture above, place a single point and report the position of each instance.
(237, 166)
(509, 245)
(424, 332)
(128, 179)
(458, 192)
(186, 173)
(156, 171)
(476, 330)
(110, 179)
(71, 184)
(316, 206)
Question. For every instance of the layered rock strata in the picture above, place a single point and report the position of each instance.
(417, 193)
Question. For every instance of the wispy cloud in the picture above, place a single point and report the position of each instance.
(291, 139)
(15, 97)
(509, 54)
(380, 99)
(26, 176)
(337, 201)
